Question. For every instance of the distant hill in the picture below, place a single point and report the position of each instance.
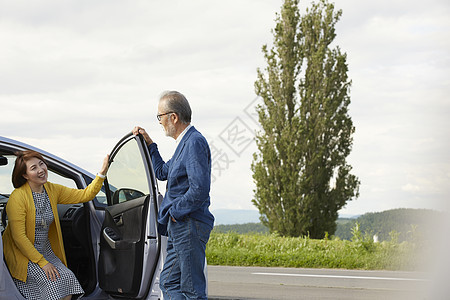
(235, 216)
(348, 216)
(409, 223)
(242, 228)
(243, 216)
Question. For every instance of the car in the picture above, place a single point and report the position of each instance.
(112, 243)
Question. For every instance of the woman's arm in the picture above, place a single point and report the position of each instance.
(67, 195)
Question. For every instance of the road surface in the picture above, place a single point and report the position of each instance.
(291, 283)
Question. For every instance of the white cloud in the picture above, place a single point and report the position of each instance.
(411, 188)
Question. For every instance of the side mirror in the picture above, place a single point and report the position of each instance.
(122, 195)
(3, 161)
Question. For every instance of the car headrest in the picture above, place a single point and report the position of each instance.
(3, 161)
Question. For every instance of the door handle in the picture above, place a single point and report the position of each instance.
(118, 220)
(110, 240)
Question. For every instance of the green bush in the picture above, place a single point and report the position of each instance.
(272, 250)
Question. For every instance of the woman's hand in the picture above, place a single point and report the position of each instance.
(51, 272)
(105, 165)
(139, 130)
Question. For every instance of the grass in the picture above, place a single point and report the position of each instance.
(272, 250)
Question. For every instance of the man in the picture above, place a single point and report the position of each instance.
(184, 212)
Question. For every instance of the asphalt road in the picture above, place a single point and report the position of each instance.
(290, 283)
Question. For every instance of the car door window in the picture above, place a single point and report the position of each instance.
(127, 177)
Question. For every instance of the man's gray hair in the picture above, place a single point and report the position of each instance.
(177, 103)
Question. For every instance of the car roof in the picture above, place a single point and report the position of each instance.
(16, 145)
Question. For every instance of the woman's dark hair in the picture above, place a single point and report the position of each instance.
(20, 166)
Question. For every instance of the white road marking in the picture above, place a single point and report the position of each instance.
(339, 276)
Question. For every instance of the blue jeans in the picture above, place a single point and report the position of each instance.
(182, 276)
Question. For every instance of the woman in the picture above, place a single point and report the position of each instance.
(32, 241)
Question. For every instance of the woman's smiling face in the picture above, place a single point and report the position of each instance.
(37, 172)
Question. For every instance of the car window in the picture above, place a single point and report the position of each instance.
(6, 186)
(6, 173)
(100, 198)
(127, 177)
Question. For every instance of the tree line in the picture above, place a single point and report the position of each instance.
(405, 223)
(408, 224)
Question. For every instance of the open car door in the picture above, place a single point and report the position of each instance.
(130, 246)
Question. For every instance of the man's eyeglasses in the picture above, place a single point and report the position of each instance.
(160, 115)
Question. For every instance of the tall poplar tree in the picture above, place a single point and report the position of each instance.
(300, 170)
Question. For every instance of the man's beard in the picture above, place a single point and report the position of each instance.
(171, 130)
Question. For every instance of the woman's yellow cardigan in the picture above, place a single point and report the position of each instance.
(18, 238)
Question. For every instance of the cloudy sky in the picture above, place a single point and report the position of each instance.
(75, 76)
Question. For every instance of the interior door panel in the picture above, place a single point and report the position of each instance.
(122, 225)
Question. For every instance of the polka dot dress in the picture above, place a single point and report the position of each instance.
(37, 286)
